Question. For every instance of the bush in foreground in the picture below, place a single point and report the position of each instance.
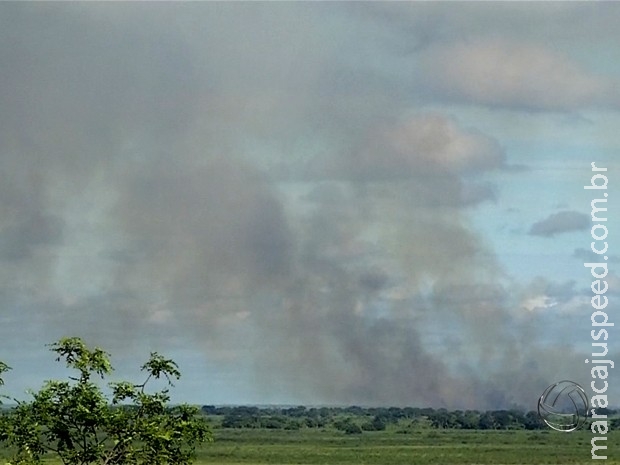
(81, 425)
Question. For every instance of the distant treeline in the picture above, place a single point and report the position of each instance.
(355, 419)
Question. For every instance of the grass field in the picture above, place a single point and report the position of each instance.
(422, 447)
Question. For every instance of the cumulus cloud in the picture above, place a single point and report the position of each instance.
(543, 293)
(561, 222)
(434, 158)
(515, 75)
(437, 140)
(423, 144)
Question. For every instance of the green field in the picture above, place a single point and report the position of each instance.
(416, 447)
(445, 447)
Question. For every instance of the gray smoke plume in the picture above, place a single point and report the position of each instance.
(256, 184)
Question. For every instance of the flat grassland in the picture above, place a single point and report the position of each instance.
(417, 447)
(441, 447)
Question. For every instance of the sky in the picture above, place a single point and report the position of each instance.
(350, 203)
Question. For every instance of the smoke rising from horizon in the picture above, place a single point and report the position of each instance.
(245, 180)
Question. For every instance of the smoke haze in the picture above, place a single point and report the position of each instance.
(285, 190)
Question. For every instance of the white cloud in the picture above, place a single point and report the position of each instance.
(429, 143)
(538, 302)
(440, 141)
(511, 74)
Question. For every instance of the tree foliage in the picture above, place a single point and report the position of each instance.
(3, 369)
(82, 425)
(379, 418)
